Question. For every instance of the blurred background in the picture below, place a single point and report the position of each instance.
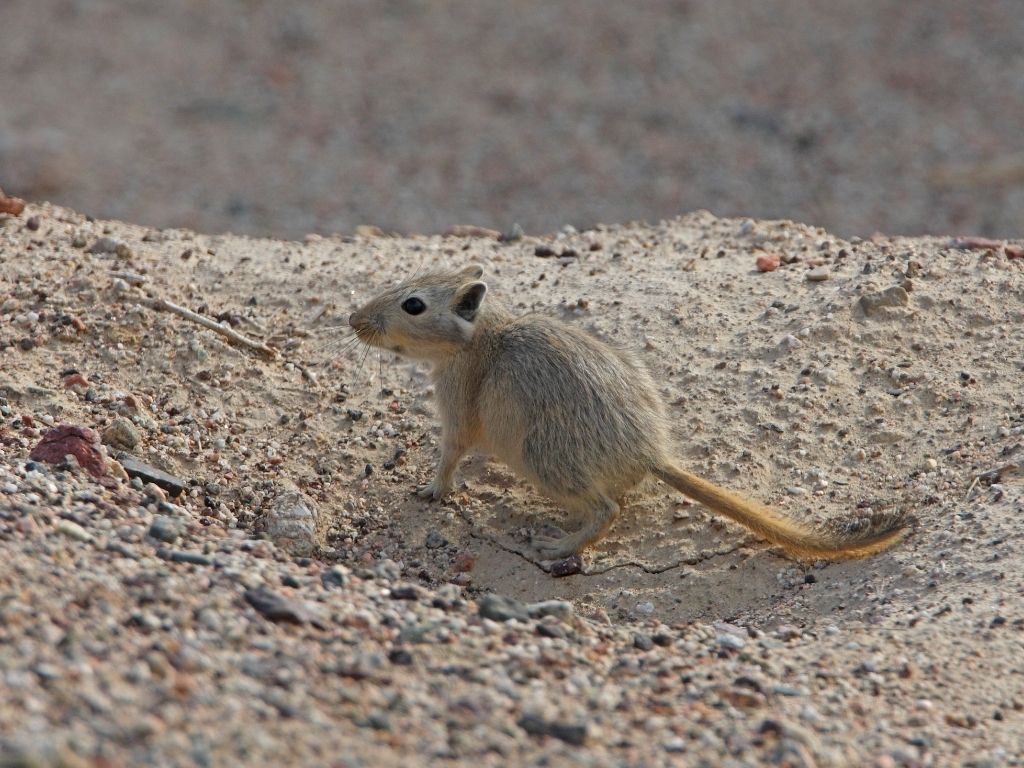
(274, 118)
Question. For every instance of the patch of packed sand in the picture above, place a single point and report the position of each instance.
(129, 621)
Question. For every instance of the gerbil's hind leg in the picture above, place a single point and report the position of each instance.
(452, 451)
(599, 513)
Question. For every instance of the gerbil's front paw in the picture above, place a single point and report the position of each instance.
(431, 492)
(552, 548)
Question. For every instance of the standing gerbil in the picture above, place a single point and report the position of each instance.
(578, 418)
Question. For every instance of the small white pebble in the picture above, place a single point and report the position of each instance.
(73, 530)
(819, 274)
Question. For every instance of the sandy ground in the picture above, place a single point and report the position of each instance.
(684, 640)
(286, 118)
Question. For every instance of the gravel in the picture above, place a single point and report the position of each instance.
(149, 624)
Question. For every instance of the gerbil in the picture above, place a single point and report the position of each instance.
(578, 418)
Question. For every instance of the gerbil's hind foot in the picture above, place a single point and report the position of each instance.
(431, 491)
(600, 515)
(554, 548)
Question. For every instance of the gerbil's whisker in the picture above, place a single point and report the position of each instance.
(340, 350)
(366, 353)
(348, 329)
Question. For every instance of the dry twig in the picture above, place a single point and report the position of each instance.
(231, 335)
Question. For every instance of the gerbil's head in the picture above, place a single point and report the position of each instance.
(426, 317)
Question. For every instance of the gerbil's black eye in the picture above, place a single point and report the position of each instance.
(413, 305)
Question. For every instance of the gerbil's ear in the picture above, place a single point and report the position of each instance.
(472, 271)
(468, 298)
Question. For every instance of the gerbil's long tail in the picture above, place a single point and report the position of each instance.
(800, 541)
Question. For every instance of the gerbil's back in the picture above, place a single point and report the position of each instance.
(567, 409)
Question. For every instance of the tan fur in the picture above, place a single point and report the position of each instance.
(578, 418)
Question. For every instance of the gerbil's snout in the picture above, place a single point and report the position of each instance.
(364, 327)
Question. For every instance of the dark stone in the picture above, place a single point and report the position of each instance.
(570, 566)
(500, 608)
(137, 468)
(179, 556)
(400, 656)
(642, 642)
(570, 733)
(435, 540)
(405, 592)
(166, 529)
(333, 578)
(278, 608)
(551, 630)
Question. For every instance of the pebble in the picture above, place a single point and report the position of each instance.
(180, 556)
(570, 733)
(334, 577)
(103, 245)
(642, 642)
(387, 569)
(435, 540)
(569, 566)
(819, 274)
(166, 529)
(501, 608)
(73, 530)
(293, 522)
(896, 296)
(561, 609)
(727, 640)
(278, 608)
(121, 434)
(789, 341)
(645, 608)
(513, 234)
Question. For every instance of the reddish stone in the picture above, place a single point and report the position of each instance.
(81, 442)
(977, 243)
(767, 262)
(1014, 251)
(11, 205)
(464, 562)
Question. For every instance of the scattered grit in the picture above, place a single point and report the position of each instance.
(233, 570)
